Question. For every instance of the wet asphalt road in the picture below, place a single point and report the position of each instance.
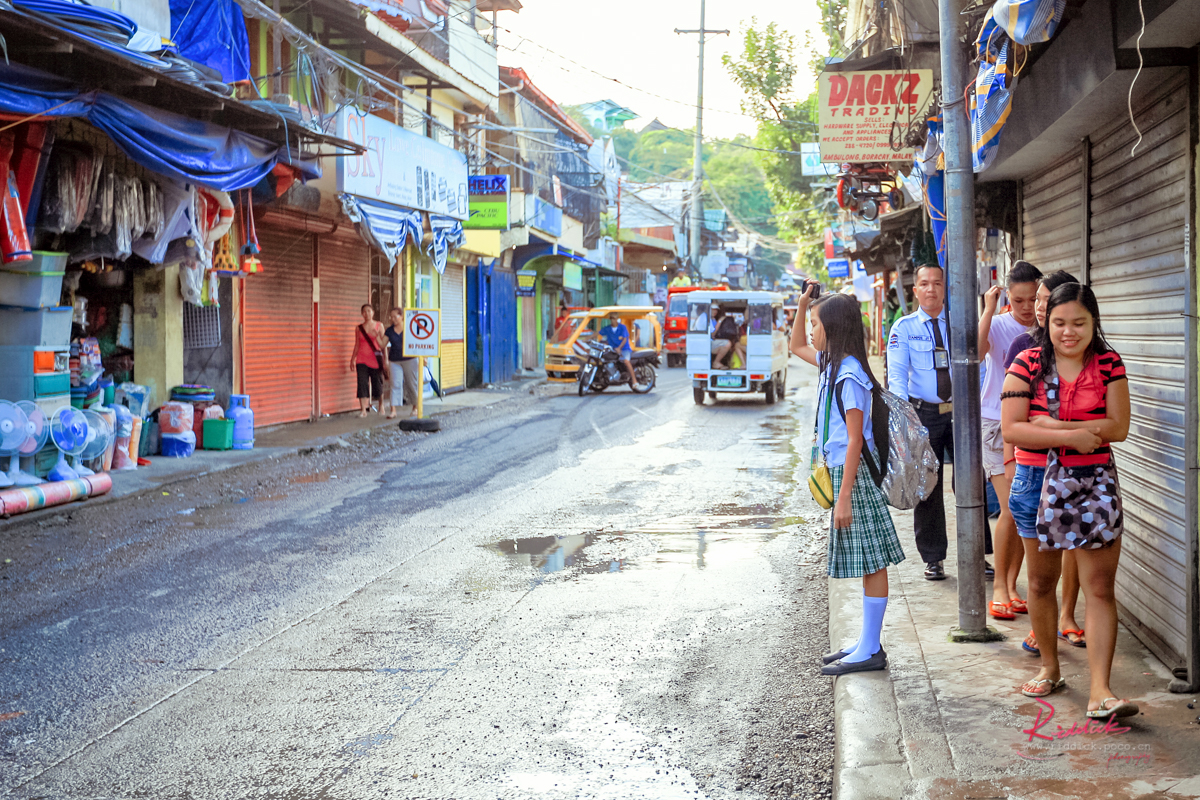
(619, 596)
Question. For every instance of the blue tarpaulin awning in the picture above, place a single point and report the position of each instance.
(179, 147)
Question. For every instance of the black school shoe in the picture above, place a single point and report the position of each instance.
(934, 571)
(989, 572)
(829, 658)
(872, 664)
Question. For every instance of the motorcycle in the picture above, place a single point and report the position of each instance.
(602, 368)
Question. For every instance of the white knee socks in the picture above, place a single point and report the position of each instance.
(872, 628)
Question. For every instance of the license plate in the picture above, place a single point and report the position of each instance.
(729, 382)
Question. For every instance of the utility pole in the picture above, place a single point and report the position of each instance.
(963, 282)
(697, 228)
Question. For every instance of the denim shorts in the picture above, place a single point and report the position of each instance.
(1024, 499)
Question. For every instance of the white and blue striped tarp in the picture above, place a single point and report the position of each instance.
(388, 228)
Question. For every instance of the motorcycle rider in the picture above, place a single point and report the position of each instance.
(617, 336)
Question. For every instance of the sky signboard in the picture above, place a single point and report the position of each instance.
(858, 111)
(401, 167)
(526, 282)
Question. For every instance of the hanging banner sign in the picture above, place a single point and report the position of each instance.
(488, 197)
(810, 162)
(837, 267)
(859, 109)
(573, 276)
(422, 334)
(526, 282)
(401, 167)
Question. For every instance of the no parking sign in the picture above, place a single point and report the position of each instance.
(422, 332)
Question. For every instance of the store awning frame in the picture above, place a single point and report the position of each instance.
(61, 53)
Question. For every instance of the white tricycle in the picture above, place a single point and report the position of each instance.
(737, 343)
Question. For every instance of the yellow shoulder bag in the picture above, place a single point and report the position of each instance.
(820, 483)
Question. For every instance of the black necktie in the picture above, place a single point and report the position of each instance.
(943, 374)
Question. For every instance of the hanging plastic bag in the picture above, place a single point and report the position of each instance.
(990, 105)
(1028, 21)
(191, 281)
(209, 297)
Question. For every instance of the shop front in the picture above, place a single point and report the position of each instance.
(1107, 191)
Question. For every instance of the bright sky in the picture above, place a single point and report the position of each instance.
(634, 42)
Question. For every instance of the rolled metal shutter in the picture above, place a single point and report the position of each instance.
(1052, 217)
(454, 329)
(277, 328)
(344, 268)
(1139, 210)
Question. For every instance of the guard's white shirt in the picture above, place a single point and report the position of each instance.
(910, 356)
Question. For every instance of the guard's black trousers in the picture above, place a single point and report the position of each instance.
(929, 517)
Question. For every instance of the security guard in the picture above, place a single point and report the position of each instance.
(919, 369)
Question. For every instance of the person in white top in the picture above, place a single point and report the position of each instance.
(996, 333)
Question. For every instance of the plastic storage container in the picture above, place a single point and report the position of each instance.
(218, 434)
(178, 445)
(33, 284)
(36, 327)
(243, 421)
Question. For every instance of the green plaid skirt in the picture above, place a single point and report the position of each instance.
(870, 543)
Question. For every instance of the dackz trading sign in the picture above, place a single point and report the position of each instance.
(860, 109)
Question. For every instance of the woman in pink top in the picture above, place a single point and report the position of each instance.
(367, 361)
(1070, 395)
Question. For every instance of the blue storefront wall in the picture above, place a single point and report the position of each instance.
(491, 323)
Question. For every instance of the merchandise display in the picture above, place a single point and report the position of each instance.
(69, 433)
(37, 431)
(13, 433)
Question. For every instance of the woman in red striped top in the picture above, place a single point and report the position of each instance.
(1093, 412)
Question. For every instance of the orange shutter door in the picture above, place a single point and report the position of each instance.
(344, 266)
(277, 330)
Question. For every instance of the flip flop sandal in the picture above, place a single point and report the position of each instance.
(1000, 610)
(1054, 685)
(1123, 708)
(1065, 635)
(1029, 648)
(1018, 606)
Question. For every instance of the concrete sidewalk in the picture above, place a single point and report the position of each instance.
(281, 441)
(948, 721)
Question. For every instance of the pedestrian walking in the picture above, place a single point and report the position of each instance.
(862, 538)
(1064, 402)
(404, 370)
(996, 333)
(1068, 629)
(368, 361)
(918, 368)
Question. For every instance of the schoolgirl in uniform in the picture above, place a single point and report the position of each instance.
(862, 539)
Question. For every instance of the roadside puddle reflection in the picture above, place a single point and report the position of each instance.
(726, 534)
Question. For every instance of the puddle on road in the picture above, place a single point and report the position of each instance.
(316, 477)
(726, 533)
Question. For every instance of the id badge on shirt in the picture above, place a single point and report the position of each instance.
(941, 358)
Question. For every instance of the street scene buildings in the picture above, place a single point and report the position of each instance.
(412, 398)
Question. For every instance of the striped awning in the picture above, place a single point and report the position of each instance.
(388, 228)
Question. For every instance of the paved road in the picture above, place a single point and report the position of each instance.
(618, 596)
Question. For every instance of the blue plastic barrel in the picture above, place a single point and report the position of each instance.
(243, 421)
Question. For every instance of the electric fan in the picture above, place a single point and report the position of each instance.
(37, 431)
(69, 432)
(100, 436)
(12, 433)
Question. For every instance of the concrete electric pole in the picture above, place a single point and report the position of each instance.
(697, 227)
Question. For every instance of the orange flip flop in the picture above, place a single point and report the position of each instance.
(1065, 635)
(1000, 610)
(1018, 606)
